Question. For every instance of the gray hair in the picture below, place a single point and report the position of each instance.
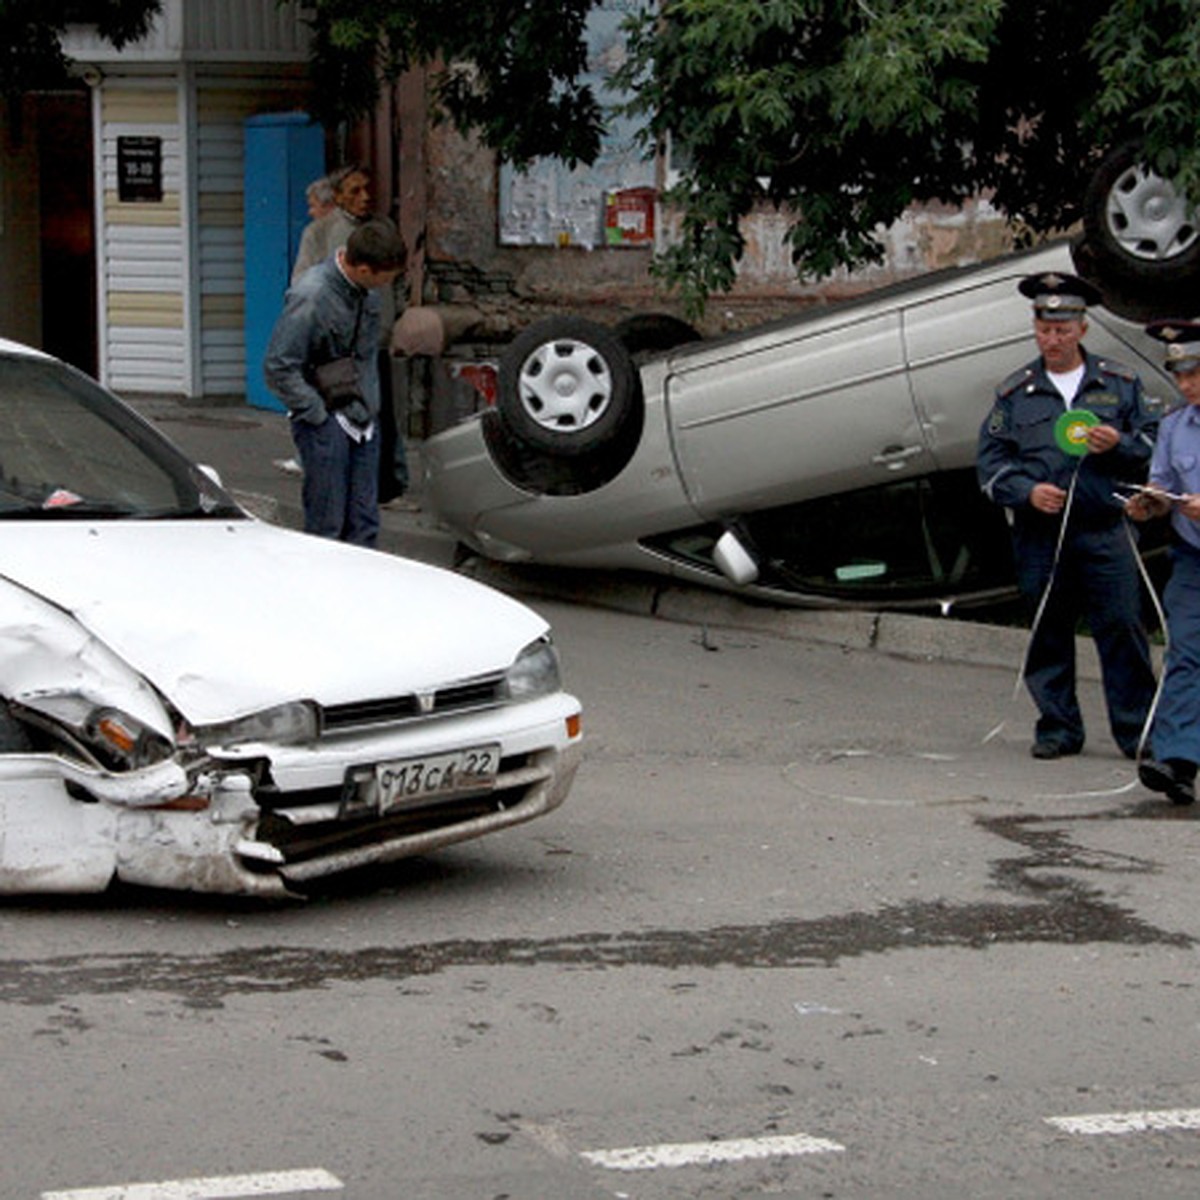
(320, 191)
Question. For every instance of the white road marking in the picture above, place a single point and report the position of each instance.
(1129, 1122)
(688, 1154)
(216, 1187)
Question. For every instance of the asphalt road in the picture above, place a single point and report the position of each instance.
(812, 924)
(811, 910)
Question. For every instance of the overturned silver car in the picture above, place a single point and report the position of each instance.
(191, 698)
(823, 459)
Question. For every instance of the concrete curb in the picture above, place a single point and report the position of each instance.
(902, 635)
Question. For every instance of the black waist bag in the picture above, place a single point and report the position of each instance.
(337, 380)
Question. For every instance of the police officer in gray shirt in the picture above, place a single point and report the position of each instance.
(1174, 490)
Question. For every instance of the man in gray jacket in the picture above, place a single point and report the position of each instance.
(331, 316)
(352, 203)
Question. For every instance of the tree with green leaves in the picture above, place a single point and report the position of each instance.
(31, 57)
(840, 112)
(844, 112)
(508, 70)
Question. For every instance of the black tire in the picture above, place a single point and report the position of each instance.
(1138, 302)
(1139, 229)
(567, 387)
(654, 333)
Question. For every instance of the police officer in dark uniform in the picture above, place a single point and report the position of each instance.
(1056, 474)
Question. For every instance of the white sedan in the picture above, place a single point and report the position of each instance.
(191, 698)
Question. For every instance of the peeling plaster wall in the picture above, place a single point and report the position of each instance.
(520, 283)
(462, 227)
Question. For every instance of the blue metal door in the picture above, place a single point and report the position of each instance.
(284, 153)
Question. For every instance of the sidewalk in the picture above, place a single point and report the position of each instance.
(243, 444)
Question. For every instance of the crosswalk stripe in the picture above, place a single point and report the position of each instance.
(1129, 1122)
(685, 1154)
(215, 1187)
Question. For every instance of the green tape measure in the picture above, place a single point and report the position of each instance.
(1071, 430)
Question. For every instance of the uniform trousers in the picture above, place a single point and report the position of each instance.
(1176, 732)
(1096, 576)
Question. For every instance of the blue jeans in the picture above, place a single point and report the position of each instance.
(341, 481)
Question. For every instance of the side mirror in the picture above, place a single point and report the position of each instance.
(211, 472)
(733, 560)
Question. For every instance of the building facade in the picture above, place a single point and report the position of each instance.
(165, 120)
(124, 209)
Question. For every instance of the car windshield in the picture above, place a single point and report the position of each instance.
(69, 450)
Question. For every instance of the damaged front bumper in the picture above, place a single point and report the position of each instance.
(265, 821)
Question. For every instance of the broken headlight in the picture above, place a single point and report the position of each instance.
(122, 741)
(114, 738)
(284, 725)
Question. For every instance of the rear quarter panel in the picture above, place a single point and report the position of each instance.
(962, 343)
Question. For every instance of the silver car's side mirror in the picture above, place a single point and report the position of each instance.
(733, 560)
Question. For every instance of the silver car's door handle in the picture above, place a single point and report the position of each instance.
(894, 457)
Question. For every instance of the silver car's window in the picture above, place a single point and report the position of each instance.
(930, 537)
(69, 450)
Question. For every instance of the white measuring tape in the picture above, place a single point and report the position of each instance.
(1045, 597)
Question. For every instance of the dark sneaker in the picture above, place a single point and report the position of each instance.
(1047, 750)
(1175, 777)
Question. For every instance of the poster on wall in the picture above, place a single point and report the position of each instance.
(550, 204)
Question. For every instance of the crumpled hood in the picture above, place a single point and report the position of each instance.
(226, 617)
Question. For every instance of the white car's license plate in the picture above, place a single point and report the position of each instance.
(411, 781)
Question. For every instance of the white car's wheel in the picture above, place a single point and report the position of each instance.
(1139, 227)
(567, 386)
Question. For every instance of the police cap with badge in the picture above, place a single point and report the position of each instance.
(1182, 340)
(1058, 296)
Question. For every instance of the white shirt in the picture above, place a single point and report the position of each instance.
(1067, 383)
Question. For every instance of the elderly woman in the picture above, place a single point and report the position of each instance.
(319, 195)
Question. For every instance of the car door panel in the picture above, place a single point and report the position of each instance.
(800, 411)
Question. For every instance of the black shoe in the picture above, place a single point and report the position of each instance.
(1173, 776)
(1047, 750)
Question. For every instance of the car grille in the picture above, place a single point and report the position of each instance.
(485, 692)
(310, 824)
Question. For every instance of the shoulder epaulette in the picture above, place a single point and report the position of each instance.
(1119, 369)
(1014, 381)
